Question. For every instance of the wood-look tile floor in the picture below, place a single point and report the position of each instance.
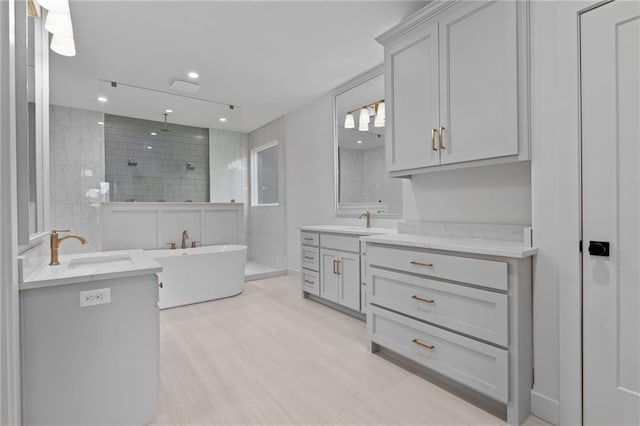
(268, 356)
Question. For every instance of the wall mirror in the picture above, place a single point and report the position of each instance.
(361, 181)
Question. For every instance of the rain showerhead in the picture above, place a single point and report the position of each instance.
(165, 128)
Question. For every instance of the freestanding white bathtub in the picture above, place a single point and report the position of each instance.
(200, 274)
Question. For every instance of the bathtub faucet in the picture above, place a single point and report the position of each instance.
(185, 237)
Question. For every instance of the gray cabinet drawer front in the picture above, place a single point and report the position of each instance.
(310, 257)
(341, 242)
(478, 365)
(478, 313)
(310, 238)
(311, 282)
(486, 273)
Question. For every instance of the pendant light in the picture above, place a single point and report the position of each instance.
(59, 24)
(380, 115)
(59, 6)
(363, 122)
(64, 46)
(349, 122)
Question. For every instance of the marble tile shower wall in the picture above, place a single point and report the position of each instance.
(171, 166)
(76, 169)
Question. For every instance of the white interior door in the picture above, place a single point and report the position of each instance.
(610, 52)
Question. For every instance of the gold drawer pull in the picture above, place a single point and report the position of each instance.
(424, 345)
(309, 257)
(161, 284)
(422, 299)
(415, 262)
(309, 282)
(442, 138)
(308, 239)
(337, 267)
(433, 139)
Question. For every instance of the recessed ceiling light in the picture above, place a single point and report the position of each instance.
(149, 147)
(153, 133)
(193, 75)
(168, 111)
(222, 119)
(102, 99)
(101, 123)
(359, 141)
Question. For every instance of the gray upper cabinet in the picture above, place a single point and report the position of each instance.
(412, 81)
(457, 87)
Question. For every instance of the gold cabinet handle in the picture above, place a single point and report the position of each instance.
(433, 139)
(415, 262)
(442, 138)
(309, 257)
(424, 345)
(309, 282)
(337, 267)
(334, 267)
(308, 239)
(422, 299)
(161, 284)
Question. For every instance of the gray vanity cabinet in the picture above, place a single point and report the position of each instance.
(331, 264)
(340, 277)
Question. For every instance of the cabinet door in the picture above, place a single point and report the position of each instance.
(349, 276)
(479, 82)
(329, 279)
(411, 91)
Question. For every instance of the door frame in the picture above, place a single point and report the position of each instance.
(563, 161)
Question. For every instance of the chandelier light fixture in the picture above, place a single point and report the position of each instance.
(375, 110)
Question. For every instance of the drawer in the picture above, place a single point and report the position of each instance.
(479, 313)
(310, 258)
(478, 365)
(311, 282)
(486, 273)
(310, 238)
(340, 242)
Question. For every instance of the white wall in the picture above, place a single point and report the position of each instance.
(76, 166)
(267, 231)
(498, 194)
(9, 339)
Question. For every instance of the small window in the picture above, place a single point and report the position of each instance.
(264, 161)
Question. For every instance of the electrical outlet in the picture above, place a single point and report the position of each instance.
(95, 297)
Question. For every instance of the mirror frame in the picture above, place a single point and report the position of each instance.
(27, 240)
(362, 78)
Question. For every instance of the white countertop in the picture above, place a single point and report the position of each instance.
(514, 249)
(88, 267)
(351, 230)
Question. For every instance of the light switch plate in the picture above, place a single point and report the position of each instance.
(95, 297)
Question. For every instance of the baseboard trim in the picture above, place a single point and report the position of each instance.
(544, 407)
(265, 275)
(293, 272)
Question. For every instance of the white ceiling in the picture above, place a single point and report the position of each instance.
(266, 57)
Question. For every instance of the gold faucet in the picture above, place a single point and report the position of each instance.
(185, 237)
(367, 216)
(54, 243)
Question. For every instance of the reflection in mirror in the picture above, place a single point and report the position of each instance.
(31, 96)
(362, 181)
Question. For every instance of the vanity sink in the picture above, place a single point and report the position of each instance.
(85, 267)
(93, 262)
